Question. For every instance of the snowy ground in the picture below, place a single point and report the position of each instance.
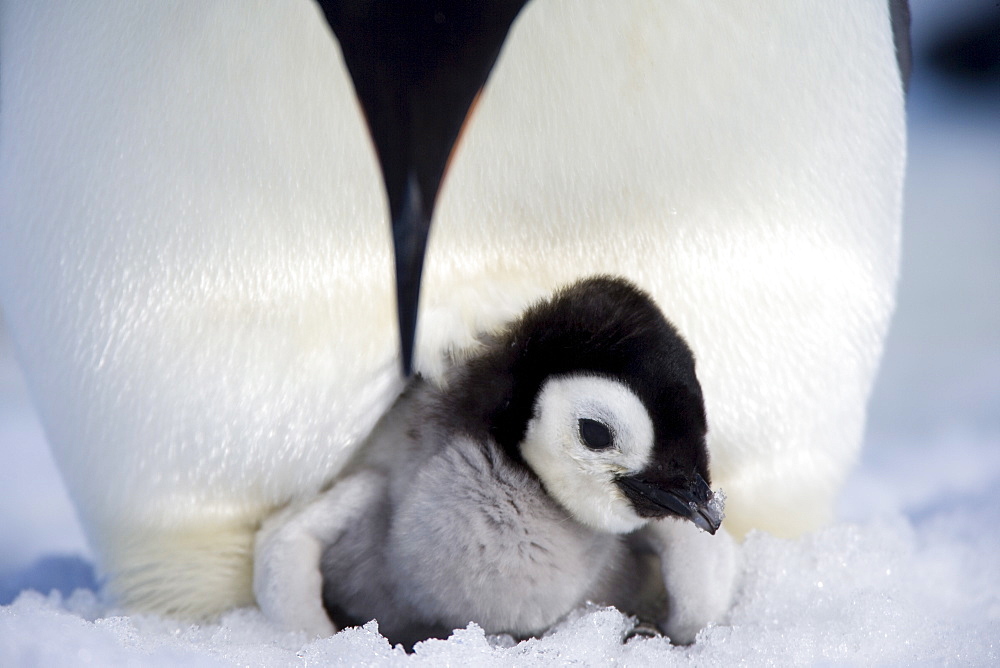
(909, 574)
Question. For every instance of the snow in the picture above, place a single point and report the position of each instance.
(908, 574)
(900, 590)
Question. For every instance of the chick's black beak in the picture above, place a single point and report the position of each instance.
(417, 67)
(688, 497)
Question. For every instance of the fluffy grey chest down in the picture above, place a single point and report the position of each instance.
(469, 536)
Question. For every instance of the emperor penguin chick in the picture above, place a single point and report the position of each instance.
(563, 462)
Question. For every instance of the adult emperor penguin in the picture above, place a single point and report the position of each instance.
(197, 277)
(535, 479)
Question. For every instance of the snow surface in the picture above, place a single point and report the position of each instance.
(910, 573)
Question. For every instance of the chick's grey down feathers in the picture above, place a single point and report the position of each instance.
(462, 529)
(466, 535)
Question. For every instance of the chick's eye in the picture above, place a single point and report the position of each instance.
(595, 435)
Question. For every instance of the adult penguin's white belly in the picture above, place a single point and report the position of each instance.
(195, 262)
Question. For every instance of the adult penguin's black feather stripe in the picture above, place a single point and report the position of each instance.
(417, 67)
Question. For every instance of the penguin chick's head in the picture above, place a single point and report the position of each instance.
(596, 392)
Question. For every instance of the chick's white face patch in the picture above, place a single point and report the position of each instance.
(577, 475)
